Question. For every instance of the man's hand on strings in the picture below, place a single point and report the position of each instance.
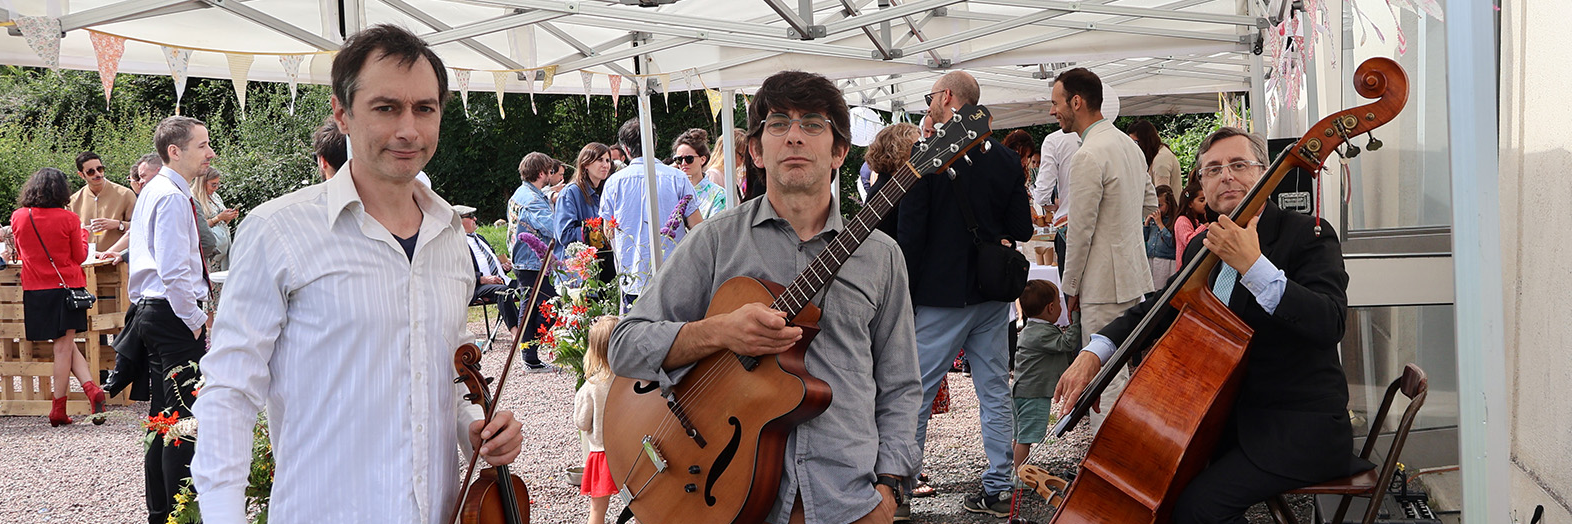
(499, 442)
(755, 329)
(1074, 381)
(1239, 247)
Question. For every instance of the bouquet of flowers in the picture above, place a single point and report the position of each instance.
(595, 232)
(565, 337)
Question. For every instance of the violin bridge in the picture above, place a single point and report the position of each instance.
(654, 454)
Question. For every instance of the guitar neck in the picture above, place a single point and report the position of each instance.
(821, 271)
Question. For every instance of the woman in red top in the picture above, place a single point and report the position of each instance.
(53, 246)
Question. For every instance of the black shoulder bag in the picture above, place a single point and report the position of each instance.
(1001, 269)
(77, 298)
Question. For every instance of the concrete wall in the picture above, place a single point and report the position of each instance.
(1536, 207)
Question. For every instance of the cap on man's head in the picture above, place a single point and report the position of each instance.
(464, 210)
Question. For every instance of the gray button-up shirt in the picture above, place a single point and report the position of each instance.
(866, 351)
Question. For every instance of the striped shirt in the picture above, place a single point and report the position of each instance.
(349, 345)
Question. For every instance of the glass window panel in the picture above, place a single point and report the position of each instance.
(1380, 341)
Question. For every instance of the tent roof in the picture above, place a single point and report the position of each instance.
(886, 53)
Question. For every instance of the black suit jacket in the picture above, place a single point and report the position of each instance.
(931, 231)
(1291, 416)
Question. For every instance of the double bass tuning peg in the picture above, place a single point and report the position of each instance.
(1374, 144)
(1350, 150)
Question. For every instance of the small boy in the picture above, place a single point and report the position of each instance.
(1043, 353)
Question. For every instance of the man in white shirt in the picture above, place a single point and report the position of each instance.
(168, 283)
(345, 303)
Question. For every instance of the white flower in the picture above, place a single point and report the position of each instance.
(186, 427)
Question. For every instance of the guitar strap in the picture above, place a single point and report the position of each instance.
(625, 515)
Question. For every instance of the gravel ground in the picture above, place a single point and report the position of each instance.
(93, 474)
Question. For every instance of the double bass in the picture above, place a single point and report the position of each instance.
(711, 448)
(1163, 429)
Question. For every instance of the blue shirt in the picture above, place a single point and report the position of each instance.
(622, 199)
(572, 211)
(533, 212)
(1264, 280)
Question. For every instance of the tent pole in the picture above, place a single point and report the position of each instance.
(729, 167)
(651, 195)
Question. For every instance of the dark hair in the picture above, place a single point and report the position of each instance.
(47, 188)
(150, 158)
(590, 153)
(393, 42)
(696, 138)
(802, 91)
(83, 157)
(1192, 191)
(629, 138)
(173, 131)
(328, 144)
(618, 148)
(1146, 137)
(1036, 297)
(1165, 195)
(1257, 144)
(1082, 82)
(1022, 144)
(535, 164)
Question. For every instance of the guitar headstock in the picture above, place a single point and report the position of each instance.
(969, 126)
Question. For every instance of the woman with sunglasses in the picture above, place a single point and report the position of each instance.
(690, 152)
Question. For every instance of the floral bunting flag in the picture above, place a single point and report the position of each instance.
(715, 102)
(179, 59)
(616, 91)
(110, 49)
(239, 73)
(588, 78)
(291, 65)
(551, 73)
(500, 79)
(687, 84)
(462, 76)
(43, 35)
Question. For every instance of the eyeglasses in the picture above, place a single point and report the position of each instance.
(94, 170)
(470, 216)
(929, 97)
(1236, 168)
(684, 159)
(811, 125)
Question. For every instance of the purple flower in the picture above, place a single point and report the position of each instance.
(675, 220)
(534, 244)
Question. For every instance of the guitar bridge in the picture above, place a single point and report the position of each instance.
(654, 454)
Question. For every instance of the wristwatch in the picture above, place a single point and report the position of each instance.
(122, 224)
(896, 484)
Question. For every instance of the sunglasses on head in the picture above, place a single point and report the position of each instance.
(684, 159)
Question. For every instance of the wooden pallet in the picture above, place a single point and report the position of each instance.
(27, 368)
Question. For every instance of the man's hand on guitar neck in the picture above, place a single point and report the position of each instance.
(753, 330)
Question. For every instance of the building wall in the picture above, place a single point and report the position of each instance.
(1536, 190)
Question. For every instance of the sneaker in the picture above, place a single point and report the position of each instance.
(982, 502)
(543, 368)
(903, 512)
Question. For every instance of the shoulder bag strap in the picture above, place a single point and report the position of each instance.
(45, 248)
(962, 196)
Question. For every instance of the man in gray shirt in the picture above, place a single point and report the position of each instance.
(839, 466)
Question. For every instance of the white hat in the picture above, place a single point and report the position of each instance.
(464, 210)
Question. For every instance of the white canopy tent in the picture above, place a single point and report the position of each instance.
(1159, 55)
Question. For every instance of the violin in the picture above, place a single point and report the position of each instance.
(497, 496)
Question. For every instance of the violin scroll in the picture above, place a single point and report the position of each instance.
(466, 360)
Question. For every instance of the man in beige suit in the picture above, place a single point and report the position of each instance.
(1105, 266)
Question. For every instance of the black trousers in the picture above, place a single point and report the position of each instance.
(526, 279)
(1058, 250)
(507, 306)
(1228, 487)
(170, 347)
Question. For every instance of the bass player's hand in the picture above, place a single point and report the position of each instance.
(1074, 381)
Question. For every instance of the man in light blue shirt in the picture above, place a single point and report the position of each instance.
(624, 201)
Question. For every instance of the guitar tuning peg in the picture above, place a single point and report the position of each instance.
(967, 158)
(950, 173)
(1374, 144)
(986, 146)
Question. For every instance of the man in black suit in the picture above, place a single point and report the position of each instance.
(950, 313)
(1285, 279)
(491, 272)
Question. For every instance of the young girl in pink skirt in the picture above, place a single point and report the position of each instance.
(589, 413)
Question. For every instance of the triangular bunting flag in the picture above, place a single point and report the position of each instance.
(501, 81)
(462, 75)
(43, 35)
(616, 91)
(715, 103)
(687, 84)
(109, 49)
(665, 85)
(588, 78)
(291, 65)
(239, 73)
(551, 73)
(179, 59)
(321, 68)
(529, 86)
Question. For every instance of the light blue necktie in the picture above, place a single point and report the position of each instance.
(1224, 287)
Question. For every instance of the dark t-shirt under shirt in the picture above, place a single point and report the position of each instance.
(409, 245)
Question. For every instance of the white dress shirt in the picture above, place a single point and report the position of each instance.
(166, 257)
(485, 258)
(349, 345)
(1264, 281)
(1054, 172)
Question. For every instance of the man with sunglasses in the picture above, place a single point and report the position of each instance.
(951, 312)
(845, 465)
(105, 207)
